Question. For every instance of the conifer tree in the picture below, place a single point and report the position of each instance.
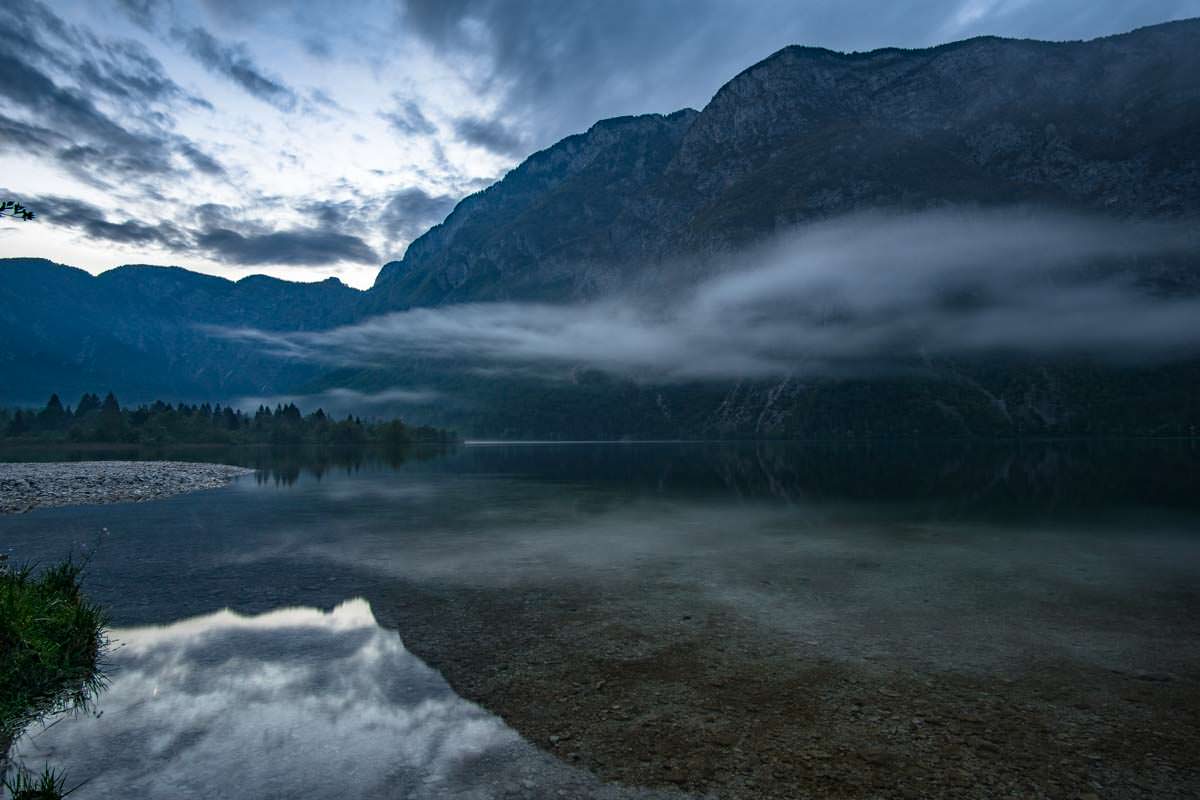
(110, 426)
(53, 415)
(87, 404)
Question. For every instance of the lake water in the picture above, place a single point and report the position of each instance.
(263, 630)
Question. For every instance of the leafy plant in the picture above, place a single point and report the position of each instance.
(11, 208)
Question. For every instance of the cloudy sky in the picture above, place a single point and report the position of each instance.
(309, 139)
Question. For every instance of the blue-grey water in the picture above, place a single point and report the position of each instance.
(249, 658)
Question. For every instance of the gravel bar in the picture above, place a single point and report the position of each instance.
(26, 486)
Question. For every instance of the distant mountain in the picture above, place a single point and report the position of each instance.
(1110, 126)
(139, 330)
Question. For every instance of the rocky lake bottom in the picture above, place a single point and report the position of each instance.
(690, 695)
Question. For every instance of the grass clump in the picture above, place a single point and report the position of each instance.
(51, 645)
(49, 785)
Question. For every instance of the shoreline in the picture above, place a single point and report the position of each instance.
(26, 486)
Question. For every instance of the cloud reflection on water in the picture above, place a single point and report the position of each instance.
(295, 702)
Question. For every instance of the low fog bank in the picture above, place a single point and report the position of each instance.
(340, 402)
(292, 703)
(858, 295)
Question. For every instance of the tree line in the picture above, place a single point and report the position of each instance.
(106, 421)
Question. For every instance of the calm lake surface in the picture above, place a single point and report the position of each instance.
(263, 629)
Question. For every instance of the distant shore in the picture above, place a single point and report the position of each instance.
(26, 486)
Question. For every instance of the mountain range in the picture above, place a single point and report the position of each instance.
(1108, 128)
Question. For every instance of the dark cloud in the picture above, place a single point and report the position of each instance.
(336, 215)
(68, 209)
(90, 219)
(144, 13)
(32, 139)
(217, 231)
(103, 147)
(29, 88)
(410, 212)
(122, 70)
(400, 217)
(127, 73)
(408, 119)
(238, 12)
(67, 123)
(561, 66)
(320, 97)
(318, 47)
(216, 215)
(863, 294)
(297, 247)
(26, 27)
(201, 160)
(491, 134)
(233, 61)
(132, 232)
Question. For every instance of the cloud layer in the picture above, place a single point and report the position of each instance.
(233, 61)
(172, 132)
(865, 293)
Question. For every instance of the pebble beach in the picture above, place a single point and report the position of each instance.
(26, 486)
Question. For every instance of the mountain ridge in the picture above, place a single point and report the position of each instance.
(782, 143)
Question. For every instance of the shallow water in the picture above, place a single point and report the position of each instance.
(971, 558)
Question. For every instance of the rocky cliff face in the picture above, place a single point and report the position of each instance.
(1111, 125)
(555, 228)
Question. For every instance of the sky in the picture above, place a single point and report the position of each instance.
(311, 140)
